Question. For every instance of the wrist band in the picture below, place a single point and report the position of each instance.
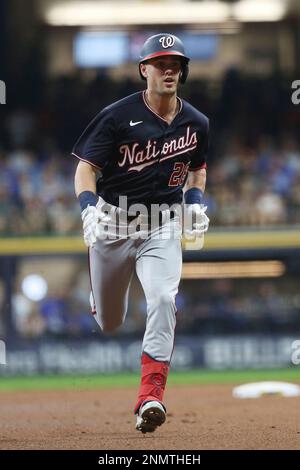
(87, 198)
(193, 196)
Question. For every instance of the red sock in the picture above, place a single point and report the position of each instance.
(153, 380)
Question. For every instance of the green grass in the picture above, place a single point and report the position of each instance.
(196, 377)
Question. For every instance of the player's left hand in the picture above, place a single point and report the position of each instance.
(196, 221)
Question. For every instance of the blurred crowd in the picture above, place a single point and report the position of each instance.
(256, 186)
(246, 187)
(37, 195)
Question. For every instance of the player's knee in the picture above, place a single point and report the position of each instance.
(109, 327)
(163, 299)
(167, 298)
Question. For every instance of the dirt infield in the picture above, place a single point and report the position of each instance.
(199, 417)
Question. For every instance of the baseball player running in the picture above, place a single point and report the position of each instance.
(145, 149)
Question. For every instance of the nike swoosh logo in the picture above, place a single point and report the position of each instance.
(135, 123)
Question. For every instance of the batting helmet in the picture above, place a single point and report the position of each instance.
(164, 44)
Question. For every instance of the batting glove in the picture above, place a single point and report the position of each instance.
(92, 217)
(196, 221)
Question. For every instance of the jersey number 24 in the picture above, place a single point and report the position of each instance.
(178, 174)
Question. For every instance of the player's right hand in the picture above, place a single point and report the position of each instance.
(92, 218)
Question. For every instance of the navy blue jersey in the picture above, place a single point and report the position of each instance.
(140, 155)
